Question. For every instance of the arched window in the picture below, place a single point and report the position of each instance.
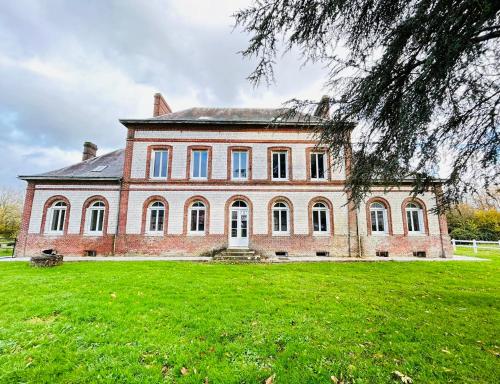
(378, 218)
(156, 217)
(239, 204)
(415, 218)
(197, 218)
(95, 218)
(281, 219)
(57, 217)
(320, 221)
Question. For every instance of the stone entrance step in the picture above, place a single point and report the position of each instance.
(236, 255)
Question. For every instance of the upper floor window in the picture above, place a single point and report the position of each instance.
(281, 219)
(240, 165)
(197, 218)
(320, 218)
(415, 218)
(280, 165)
(199, 164)
(378, 217)
(318, 166)
(156, 218)
(160, 163)
(57, 217)
(96, 218)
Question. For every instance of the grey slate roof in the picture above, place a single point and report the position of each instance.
(230, 115)
(87, 170)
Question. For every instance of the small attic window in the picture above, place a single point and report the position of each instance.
(99, 168)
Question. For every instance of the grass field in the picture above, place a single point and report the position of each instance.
(155, 322)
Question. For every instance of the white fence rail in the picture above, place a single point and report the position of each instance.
(475, 244)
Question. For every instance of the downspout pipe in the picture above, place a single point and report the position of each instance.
(117, 216)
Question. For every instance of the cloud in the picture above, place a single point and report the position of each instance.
(70, 70)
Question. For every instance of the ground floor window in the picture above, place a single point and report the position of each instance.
(320, 218)
(96, 218)
(57, 217)
(156, 217)
(197, 218)
(281, 220)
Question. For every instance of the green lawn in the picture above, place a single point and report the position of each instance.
(149, 322)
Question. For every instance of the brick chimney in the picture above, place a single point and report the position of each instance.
(160, 107)
(89, 150)
(323, 107)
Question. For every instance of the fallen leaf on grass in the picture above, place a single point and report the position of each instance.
(164, 370)
(270, 379)
(334, 380)
(444, 350)
(402, 377)
(206, 380)
(113, 295)
(184, 371)
(494, 353)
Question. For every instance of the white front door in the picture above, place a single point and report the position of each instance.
(238, 227)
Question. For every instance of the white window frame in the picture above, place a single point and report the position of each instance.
(316, 154)
(193, 151)
(325, 209)
(279, 165)
(152, 208)
(277, 208)
(153, 163)
(375, 209)
(239, 152)
(61, 222)
(198, 208)
(101, 212)
(415, 207)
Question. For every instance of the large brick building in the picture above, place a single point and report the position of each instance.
(192, 181)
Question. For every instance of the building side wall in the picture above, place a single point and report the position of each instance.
(77, 195)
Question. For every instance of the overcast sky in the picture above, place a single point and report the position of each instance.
(70, 69)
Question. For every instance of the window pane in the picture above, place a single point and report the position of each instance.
(201, 220)
(61, 219)
(204, 163)
(93, 220)
(194, 215)
(408, 219)
(152, 221)
(161, 219)
(374, 220)
(380, 220)
(164, 156)
(416, 221)
(315, 221)
(314, 174)
(100, 220)
(55, 219)
(243, 164)
(157, 162)
(196, 164)
(276, 221)
(282, 165)
(283, 221)
(275, 165)
(236, 158)
(321, 165)
(322, 215)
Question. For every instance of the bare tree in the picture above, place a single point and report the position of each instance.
(11, 203)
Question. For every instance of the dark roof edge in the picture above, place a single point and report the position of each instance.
(220, 122)
(67, 178)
